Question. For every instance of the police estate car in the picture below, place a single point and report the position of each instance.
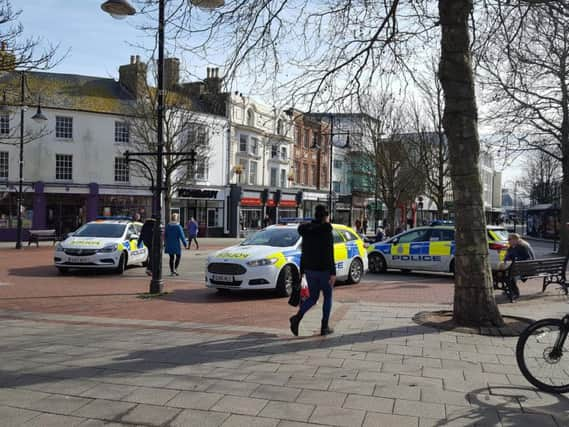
(104, 243)
(429, 248)
(270, 259)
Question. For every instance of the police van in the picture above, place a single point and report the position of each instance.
(429, 249)
(270, 259)
(107, 243)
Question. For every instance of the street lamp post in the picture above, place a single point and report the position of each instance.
(38, 117)
(121, 9)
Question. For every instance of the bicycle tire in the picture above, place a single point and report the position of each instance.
(522, 355)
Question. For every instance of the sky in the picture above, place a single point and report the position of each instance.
(96, 44)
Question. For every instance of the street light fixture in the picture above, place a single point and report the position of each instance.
(121, 9)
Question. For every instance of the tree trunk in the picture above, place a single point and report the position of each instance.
(474, 302)
(564, 215)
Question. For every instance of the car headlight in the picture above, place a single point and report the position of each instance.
(109, 248)
(58, 247)
(261, 262)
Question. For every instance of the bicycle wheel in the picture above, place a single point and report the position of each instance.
(537, 359)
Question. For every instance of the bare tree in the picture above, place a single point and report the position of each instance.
(543, 176)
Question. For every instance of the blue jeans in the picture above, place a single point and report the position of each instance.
(318, 281)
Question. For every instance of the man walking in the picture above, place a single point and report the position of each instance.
(317, 263)
(193, 233)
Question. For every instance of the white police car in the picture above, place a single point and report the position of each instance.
(429, 249)
(270, 259)
(105, 243)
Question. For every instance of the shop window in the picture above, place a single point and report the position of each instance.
(64, 127)
(4, 165)
(274, 172)
(283, 178)
(121, 170)
(64, 167)
(122, 132)
(336, 186)
(5, 123)
(243, 143)
(253, 173)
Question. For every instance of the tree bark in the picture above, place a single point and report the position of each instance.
(474, 302)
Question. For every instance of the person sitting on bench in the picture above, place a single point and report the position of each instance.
(519, 250)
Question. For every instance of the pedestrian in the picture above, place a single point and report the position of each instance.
(317, 263)
(146, 234)
(173, 235)
(380, 235)
(193, 233)
(266, 221)
(364, 226)
(519, 250)
(136, 217)
(358, 226)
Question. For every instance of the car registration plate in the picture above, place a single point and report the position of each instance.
(78, 259)
(222, 278)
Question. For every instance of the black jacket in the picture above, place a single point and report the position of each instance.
(146, 234)
(317, 247)
(519, 253)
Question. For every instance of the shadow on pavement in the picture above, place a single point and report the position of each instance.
(206, 295)
(51, 271)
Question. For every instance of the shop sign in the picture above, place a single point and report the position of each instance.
(288, 204)
(250, 201)
(197, 194)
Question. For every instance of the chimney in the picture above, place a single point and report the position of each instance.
(213, 81)
(171, 73)
(133, 76)
(7, 59)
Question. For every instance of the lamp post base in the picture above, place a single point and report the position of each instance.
(156, 286)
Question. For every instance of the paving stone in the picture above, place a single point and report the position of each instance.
(348, 355)
(101, 423)
(73, 387)
(476, 415)
(151, 396)
(436, 395)
(104, 409)
(422, 362)
(357, 387)
(194, 400)
(478, 357)
(20, 398)
(384, 357)
(287, 411)
(109, 391)
(378, 377)
(189, 417)
(15, 417)
(369, 403)
(397, 391)
(189, 383)
(400, 368)
(232, 387)
(268, 378)
(285, 423)
(312, 383)
(404, 350)
(60, 404)
(368, 365)
(150, 414)
(329, 398)
(498, 368)
(297, 370)
(272, 392)
(374, 419)
(457, 374)
(409, 407)
(53, 420)
(420, 381)
(245, 421)
(240, 405)
(337, 416)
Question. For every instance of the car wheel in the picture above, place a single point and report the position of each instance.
(285, 281)
(122, 264)
(377, 263)
(356, 271)
(63, 270)
(223, 291)
(145, 262)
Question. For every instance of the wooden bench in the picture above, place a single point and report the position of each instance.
(551, 269)
(41, 235)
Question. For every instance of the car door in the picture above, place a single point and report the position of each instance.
(407, 250)
(134, 254)
(441, 243)
(340, 254)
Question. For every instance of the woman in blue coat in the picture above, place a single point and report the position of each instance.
(173, 235)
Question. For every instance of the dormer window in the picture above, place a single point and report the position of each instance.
(250, 118)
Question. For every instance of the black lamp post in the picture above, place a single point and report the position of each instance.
(38, 117)
(121, 9)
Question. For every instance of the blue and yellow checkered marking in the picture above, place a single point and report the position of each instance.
(415, 248)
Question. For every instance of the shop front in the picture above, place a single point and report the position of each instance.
(206, 205)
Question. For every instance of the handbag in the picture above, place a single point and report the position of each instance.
(304, 290)
(294, 299)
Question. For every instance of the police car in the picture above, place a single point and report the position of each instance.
(270, 259)
(109, 243)
(430, 249)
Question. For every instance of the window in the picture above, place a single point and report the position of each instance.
(280, 129)
(441, 235)
(283, 178)
(121, 170)
(64, 127)
(197, 136)
(337, 237)
(274, 172)
(255, 146)
(305, 181)
(314, 175)
(348, 235)
(299, 136)
(122, 132)
(315, 140)
(336, 186)
(306, 139)
(5, 123)
(243, 143)
(414, 236)
(274, 151)
(283, 153)
(297, 170)
(337, 164)
(253, 173)
(64, 166)
(250, 118)
(243, 174)
(202, 169)
(3, 165)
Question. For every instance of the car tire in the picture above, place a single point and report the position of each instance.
(63, 270)
(377, 263)
(145, 262)
(223, 291)
(122, 264)
(285, 281)
(356, 271)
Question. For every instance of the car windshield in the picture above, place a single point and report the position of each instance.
(500, 233)
(281, 237)
(100, 230)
